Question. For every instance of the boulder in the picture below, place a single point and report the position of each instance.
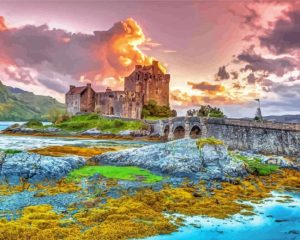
(134, 133)
(217, 163)
(281, 162)
(180, 158)
(34, 168)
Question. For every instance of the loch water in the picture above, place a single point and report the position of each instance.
(274, 220)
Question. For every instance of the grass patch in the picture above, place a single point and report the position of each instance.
(255, 166)
(211, 140)
(10, 151)
(155, 118)
(89, 121)
(124, 173)
(35, 124)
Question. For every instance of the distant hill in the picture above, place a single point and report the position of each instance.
(284, 118)
(19, 105)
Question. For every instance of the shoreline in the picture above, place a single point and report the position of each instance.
(89, 137)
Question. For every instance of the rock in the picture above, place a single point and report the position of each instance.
(34, 168)
(180, 158)
(273, 160)
(281, 162)
(26, 130)
(51, 129)
(134, 133)
(218, 164)
(125, 133)
(93, 131)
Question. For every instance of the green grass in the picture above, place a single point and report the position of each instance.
(10, 151)
(124, 173)
(88, 121)
(211, 140)
(154, 118)
(255, 166)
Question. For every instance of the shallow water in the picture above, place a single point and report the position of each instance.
(29, 142)
(274, 221)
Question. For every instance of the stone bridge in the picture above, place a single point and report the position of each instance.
(266, 137)
(182, 127)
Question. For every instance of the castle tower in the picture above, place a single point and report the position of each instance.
(151, 81)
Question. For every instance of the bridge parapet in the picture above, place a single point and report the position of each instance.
(255, 124)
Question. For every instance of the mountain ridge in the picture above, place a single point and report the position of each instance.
(19, 105)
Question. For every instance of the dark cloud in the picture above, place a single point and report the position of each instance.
(206, 86)
(284, 36)
(249, 16)
(293, 79)
(222, 74)
(20, 74)
(255, 62)
(235, 75)
(251, 79)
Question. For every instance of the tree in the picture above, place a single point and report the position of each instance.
(206, 111)
(153, 110)
(55, 115)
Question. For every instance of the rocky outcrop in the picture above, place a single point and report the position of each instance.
(218, 164)
(34, 168)
(280, 161)
(177, 158)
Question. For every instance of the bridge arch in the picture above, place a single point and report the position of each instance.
(195, 131)
(179, 132)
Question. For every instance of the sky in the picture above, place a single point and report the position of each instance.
(218, 52)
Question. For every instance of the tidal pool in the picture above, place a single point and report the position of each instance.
(275, 220)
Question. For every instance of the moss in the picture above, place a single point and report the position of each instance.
(211, 140)
(124, 173)
(255, 166)
(58, 151)
(89, 121)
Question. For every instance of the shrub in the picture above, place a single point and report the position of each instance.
(206, 111)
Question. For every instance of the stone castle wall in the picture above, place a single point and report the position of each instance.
(120, 103)
(87, 101)
(151, 81)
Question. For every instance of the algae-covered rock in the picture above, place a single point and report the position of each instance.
(178, 158)
(34, 168)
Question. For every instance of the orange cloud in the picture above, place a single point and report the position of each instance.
(3, 26)
(222, 98)
(102, 58)
(207, 87)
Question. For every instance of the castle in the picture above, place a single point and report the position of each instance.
(145, 83)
